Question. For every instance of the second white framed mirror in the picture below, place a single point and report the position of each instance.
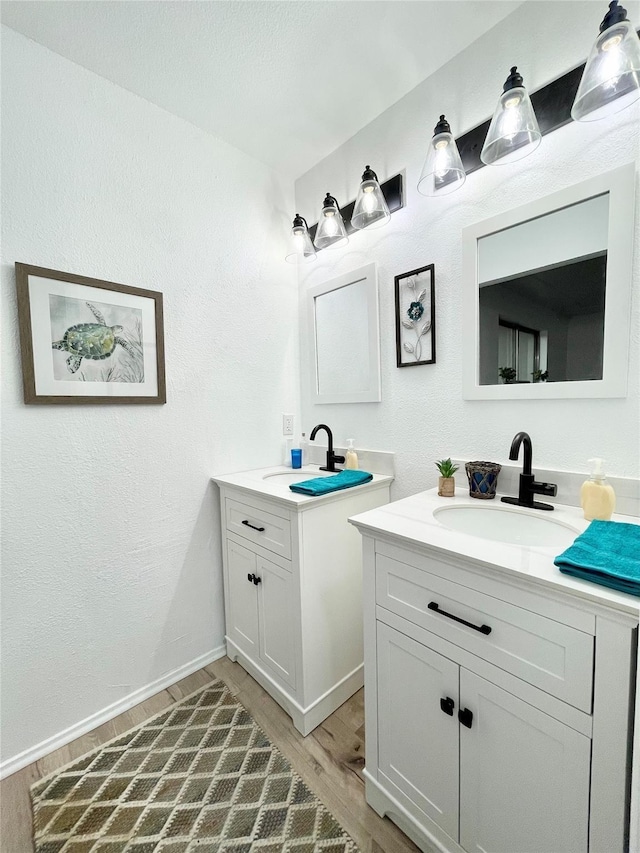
(547, 290)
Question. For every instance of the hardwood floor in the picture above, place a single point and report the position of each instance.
(330, 760)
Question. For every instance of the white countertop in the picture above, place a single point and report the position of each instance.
(258, 484)
(412, 521)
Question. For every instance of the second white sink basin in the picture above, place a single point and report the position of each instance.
(517, 526)
(285, 478)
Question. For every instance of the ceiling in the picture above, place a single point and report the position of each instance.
(286, 82)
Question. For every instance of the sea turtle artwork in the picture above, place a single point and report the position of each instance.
(95, 341)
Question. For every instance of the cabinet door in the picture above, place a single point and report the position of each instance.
(276, 608)
(242, 603)
(417, 741)
(524, 776)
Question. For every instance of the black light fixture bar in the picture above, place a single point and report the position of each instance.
(393, 192)
(552, 105)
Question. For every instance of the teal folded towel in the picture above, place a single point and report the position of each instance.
(324, 485)
(608, 553)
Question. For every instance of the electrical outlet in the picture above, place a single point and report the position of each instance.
(287, 424)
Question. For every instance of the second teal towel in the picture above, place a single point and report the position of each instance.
(608, 553)
(324, 485)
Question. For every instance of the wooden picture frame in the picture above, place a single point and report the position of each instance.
(84, 340)
(415, 317)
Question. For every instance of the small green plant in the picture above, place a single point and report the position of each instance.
(508, 374)
(540, 375)
(446, 468)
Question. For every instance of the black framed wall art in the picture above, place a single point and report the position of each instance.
(415, 317)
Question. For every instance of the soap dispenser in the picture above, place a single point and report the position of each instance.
(597, 497)
(351, 457)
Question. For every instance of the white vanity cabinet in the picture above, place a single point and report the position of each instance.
(293, 590)
(497, 707)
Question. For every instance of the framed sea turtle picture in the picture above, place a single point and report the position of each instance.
(415, 317)
(85, 340)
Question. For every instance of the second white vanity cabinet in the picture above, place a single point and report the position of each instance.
(293, 588)
(497, 702)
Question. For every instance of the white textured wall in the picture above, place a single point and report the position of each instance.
(111, 551)
(422, 416)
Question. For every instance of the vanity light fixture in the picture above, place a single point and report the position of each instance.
(611, 78)
(331, 232)
(301, 249)
(443, 171)
(513, 132)
(370, 210)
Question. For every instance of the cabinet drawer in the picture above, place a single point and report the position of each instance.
(260, 526)
(554, 657)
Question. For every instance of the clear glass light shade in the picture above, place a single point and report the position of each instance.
(514, 132)
(301, 249)
(611, 78)
(443, 171)
(331, 232)
(370, 210)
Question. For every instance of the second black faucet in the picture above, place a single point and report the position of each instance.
(332, 458)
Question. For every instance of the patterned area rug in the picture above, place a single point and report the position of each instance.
(199, 777)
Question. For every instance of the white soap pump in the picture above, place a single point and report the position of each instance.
(597, 497)
(351, 457)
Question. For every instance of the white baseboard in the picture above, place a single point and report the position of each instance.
(28, 756)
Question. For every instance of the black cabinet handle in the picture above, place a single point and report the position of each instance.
(253, 527)
(483, 629)
(447, 706)
(250, 578)
(466, 717)
(257, 580)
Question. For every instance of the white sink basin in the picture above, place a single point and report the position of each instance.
(285, 478)
(517, 526)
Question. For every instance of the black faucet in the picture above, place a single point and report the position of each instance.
(332, 458)
(528, 485)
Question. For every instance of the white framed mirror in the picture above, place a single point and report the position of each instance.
(547, 290)
(343, 325)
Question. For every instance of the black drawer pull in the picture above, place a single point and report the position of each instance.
(257, 580)
(483, 629)
(250, 578)
(466, 717)
(447, 706)
(253, 527)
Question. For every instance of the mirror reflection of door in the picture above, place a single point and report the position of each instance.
(542, 297)
(519, 353)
